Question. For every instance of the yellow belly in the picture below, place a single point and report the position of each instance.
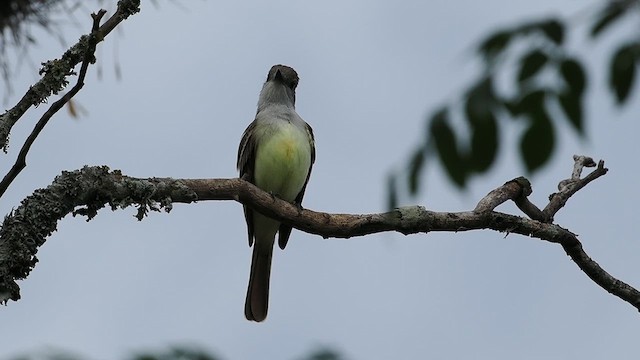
(282, 163)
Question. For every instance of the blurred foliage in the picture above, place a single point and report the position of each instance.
(19, 20)
(16, 15)
(182, 352)
(323, 354)
(176, 353)
(549, 86)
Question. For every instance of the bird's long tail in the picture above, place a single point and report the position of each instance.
(257, 302)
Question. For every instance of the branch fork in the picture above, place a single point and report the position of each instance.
(85, 191)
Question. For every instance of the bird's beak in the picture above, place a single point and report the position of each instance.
(278, 76)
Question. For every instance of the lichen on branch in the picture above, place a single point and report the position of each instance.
(55, 72)
(85, 191)
(79, 192)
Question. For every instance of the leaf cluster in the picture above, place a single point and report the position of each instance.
(549, 87)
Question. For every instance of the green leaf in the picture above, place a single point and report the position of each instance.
(447, 148)
(531, 64)
(623, 71)
(527, 103)
(480, 99)
(553, 30)
(482, 91)
(484, 127)
(538, 141)
(573, 74)
(484, 143)
(608, 16)
(415, 168)
(571, 104)
(494, 44)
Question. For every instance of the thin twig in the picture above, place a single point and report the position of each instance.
(569, 187)
(55, 72)
(596, 273)
(89, 58)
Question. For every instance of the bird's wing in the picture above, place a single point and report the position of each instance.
(284, 231)
(245, 164)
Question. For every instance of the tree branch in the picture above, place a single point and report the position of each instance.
(570, 186)
(89, 58)
(56, 71)
(84, 192)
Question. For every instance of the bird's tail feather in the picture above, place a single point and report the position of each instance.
(257, 302)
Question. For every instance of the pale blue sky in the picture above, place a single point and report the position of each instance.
(370, 72)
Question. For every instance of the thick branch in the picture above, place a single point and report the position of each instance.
(84, 192)
(56, 71)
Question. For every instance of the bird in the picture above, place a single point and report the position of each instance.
(276, 153)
